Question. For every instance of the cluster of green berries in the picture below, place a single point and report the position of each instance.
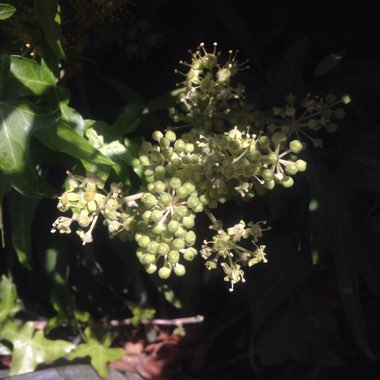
(230, 150)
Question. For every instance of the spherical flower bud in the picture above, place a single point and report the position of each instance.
(175, 182)
(301, 165)
(157, 215)
(151, 268)
(171, 136)
(163, 249)
(273, 158)
(144, 160)
(167, 236)
(295, 146)
(180, 212)
(159, 187)
(193, 201)
(190, 238)
(159, 172)
(166, 199)
(173, 256)
(340, 113)
(264, 141)
(165, 143)
(149, 200)
(188, 221)
(146, 216)
(152, 247)
(278, 177)
(269, 185)
(291, 169)
(189, 254)
(164, 272)
(181, 192)
(158, 228)
(179, 270)
(278, 137)
(112, 205)
(178, 243)
(143, 241)
(189, 148)
(148, 259)
(157, 135)
(180, 233)
(267, 174)
(287, 181)
(179, 146)
(173, 226)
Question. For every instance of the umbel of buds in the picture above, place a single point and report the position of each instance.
(229, 150)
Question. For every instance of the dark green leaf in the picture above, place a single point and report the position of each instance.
(100, 353)
(128, 119)
(28, 77)
(5, 187)
(18, 120)
(50, 20)
(62, 138)
(6, 11)
(21, 212)
(329, 63)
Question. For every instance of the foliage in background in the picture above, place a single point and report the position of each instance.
(323, 230)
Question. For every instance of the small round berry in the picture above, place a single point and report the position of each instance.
(179, 146)
(171, 136)
(157, 136)
(189, 148)
(151, 268)
(287, 181)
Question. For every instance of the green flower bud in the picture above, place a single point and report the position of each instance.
(159, 187)
(151, 268)
(164, 272)
(193, 201)
(159, 173)
(173, 256)
(146, 216)
(301, 165)
(189, 148)
(340, 113)
(254, 155)
(173, 226)
(188, 221)
(180, 233)
(267, 174)
(149, 200)
(166, 199)
(291, 169)
(152, 247)
(278, 177)
(163, 249)
(287, 181)
(190, 238)
(189, 187)
(189, 254)
(178, 243)
(158, 228)
(175, 182)
(165, 143)
(157, 215)
(278, 137)
(273, 158)
(264, 141)
(112, 205)
(143, 241)
(179, 146)
(148, 259)
(181, 192)
(170, 135)
(179, 270)
(157, 136)
(295, 146)
(167, 236)
(144, 160)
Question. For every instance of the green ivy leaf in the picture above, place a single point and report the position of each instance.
(62, 138)
(6, 11)
(8, 297)
(31, 348)
(21, 212)
(17, 120)
(28, 77)
(139, 313)
(48, 14)
(100, 353)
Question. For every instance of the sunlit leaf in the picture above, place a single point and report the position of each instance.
(99, 353)
(8, 297)
(6, 11)
(31, 348)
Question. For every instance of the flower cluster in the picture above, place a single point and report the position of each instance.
(229, 150)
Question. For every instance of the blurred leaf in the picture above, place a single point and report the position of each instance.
(62, 138)
(329, 63)
(18, 120)
(5, 187)
(21, 212)
(6, 11)
(344, 251)
(31, 348)
(99, 353)
(27, 78)
(139, 313)
(128, 119)
(50, 20)
(8, 298)
(5, 65)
